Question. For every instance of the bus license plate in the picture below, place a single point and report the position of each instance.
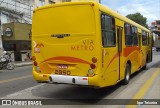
(62, 66)
(63, 72)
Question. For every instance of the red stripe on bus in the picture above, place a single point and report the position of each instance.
(129, 50)
(68, 59)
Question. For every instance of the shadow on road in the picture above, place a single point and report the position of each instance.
(75, 94)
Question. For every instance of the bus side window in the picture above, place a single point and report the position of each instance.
(131, 35)
(149, 40)
(135, 36)
(144, 38)
(128, 37)
(108, 31)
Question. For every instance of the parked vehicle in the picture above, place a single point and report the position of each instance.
(6, 61)
(157, 45)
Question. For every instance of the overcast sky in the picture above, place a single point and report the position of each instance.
(148, 8)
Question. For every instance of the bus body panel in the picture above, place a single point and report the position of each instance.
(65, 40)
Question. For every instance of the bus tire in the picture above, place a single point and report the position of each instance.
(145, 66)
(127, 74)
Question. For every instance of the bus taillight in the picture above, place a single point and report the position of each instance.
(35, 63)
(94, 60)
(34, 58)
(93, 66)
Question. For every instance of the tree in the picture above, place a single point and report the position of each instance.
(138, 18)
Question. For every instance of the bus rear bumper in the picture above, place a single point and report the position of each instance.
(62, 79)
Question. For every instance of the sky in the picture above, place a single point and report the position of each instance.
(148, 8)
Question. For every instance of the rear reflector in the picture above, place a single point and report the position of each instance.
(44, 75)
(84, 78)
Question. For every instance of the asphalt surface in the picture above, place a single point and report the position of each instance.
(15, 80)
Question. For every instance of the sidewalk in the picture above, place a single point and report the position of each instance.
(20, 64)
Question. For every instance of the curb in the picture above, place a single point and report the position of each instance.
(22, 64)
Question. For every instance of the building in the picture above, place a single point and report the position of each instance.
(155, 27)
(16, 40)
(15, 18)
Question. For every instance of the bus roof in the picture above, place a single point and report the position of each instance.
(101, 7)
(63, 4)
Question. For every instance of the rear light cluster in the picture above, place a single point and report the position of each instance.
(92, 66)
(37, 68)
(34, 61)
(94, 60)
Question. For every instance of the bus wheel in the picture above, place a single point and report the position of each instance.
(144, 67)
(127, 75)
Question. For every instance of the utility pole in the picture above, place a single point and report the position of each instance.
(1, 44)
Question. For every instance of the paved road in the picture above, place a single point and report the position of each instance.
(15, 80)
(143, 85)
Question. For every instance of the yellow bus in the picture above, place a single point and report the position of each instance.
(88, 44)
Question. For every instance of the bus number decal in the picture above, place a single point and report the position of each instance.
(62, 72)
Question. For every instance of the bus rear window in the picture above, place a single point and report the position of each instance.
(64, 19)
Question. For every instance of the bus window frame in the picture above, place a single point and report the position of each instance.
(105, 30)
(126, 34)
(135, 34)
(147, 38)
(131, 34)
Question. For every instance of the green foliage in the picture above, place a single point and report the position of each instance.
(138, 18)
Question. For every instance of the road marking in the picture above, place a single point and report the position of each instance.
(14, 79)
(142, 91)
